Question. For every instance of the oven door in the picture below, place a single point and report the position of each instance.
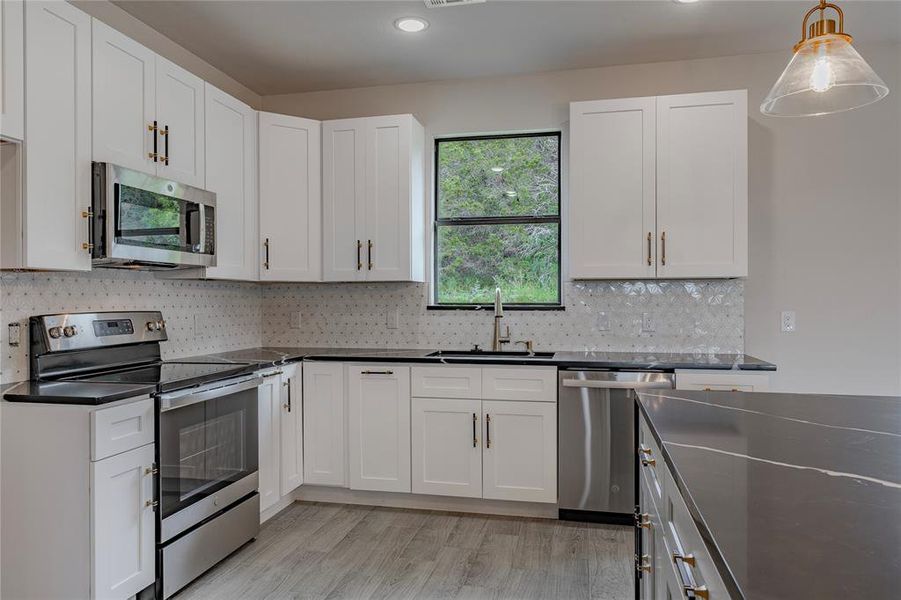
(208, 451)
(154, 220)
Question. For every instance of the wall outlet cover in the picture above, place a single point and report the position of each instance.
(392, 318)
(296, 319)
(647, 322)
(603, 322)
(788, 321)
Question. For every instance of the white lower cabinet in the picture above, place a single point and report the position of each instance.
(269, 438)
(323, 423)
(378, 400)
(447, 449)
(291, 428)
(520, 455)
(123, 552)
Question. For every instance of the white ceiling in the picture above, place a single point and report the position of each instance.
(277, 47)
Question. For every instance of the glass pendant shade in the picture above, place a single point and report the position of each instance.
(826, 75)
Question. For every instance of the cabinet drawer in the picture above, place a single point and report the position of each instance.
(722, 381)
(651, 462)
(530, 384)
(447, 382)
(121, 428)
(683, 537)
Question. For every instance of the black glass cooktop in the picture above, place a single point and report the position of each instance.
(171, 375)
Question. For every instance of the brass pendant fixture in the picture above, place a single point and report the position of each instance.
(826, 74)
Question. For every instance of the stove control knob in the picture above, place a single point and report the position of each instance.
(69, 330)
(162, 324)
(55, 332)
(151, 326)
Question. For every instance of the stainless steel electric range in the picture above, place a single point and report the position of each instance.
(206, 431)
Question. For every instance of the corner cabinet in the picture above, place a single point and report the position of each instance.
(659, 187)
(290, 198)
(148, 112)
(48, 217)
(12, 69)
(373, 199)
(231, 172)
(378, 401)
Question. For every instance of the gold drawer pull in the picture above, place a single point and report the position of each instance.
(645, 450)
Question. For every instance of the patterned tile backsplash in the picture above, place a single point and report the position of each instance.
(227, 315)
(210, 316)
(687, 316)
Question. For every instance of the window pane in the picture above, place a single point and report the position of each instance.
(522, 260)
(499, 177)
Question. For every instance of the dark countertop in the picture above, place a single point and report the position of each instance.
(269, 356)
(73, 392)
(795, 495)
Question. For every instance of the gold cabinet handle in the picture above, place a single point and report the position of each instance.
(643, 521)
(643, 564)
(650, 237)
(370, 255)
(376, 372)
(165, 133)
(151, 470)
(642, 449)
(151, 504)
(155, 154)
(663, 248)
(688, 559)
(648, 462)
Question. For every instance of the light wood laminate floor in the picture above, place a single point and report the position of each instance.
(317, 550)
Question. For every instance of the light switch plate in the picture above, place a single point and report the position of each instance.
(392, 318)
(789, 323)
(296, 320)
(603, 322)
(647, 322)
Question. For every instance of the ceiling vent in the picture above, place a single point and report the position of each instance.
(446, 3)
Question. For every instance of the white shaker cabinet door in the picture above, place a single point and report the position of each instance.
(12, 69)
(231, 172)
(124, 100)
(519, 461)
(612, 195)
(343, 199)
(269, 417)
(58, 126)
(123, 548)
(447, 447)
(290, 199)
(702, 184)
(292, 428)
(378, 400)
(323, 423)
(179, 114)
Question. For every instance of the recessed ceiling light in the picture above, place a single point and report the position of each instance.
(411, 24)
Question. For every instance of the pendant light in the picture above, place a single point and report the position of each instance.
(826, 74)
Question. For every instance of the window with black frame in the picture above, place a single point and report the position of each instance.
(497, 220)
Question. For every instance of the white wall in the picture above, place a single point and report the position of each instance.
(824, 198)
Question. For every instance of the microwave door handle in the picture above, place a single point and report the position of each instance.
(617, 385)
(181, 399)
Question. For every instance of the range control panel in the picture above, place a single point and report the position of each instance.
(81, 331)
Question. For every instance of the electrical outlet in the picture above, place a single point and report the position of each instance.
(296, 320)
(788, 321)
(647, 322)
(392, 317)
(603, 322)
(14, 334)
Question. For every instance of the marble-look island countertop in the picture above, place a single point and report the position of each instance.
(795, 495)
(266, 356)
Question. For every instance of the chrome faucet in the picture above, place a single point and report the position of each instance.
(499, 340)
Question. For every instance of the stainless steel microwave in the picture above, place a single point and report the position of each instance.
(142, 221)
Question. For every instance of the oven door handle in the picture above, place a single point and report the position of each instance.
(181, 399)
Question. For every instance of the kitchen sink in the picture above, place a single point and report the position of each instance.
(489, 354)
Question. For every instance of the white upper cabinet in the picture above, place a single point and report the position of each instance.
(659, 187)
(179, 113)
(373, 202)
(378, 400)
(58, 127)
(231, 172)
(148, 112)
(12, 69)
(612, 205)
(702, 184)
(290, 198)
(124, 100)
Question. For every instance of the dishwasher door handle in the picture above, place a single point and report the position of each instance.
(617, 385)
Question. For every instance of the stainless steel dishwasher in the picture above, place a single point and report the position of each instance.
(596, 442)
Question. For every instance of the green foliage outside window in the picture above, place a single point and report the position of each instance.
(498, 219)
